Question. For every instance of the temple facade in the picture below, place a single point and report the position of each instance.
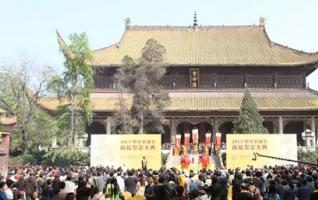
(208, 68)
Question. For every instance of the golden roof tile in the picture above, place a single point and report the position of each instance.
(213, 100)
(205, 45)
(8, 120)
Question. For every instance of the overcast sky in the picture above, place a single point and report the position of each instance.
(27, 27)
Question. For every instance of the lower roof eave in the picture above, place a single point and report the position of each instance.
(237, 110)
(281, 111)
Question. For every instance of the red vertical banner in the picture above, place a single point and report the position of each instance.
(177, 145)
(207, 139)
(186, 139)
(178, 141)
(218, 138)
(195, 136)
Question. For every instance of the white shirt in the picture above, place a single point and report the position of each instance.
(8, 193)
(70, 187)
(121, 183)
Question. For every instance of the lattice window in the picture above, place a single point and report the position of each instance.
(182, 81)
(289, 81)
(104, 80)
(229, 81)
(206, 80)
(258, 81)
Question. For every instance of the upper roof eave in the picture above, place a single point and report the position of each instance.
(314, 64)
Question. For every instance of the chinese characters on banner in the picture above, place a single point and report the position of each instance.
(249, 144)
(241, 148)
(128, 150)
(137, 144)
(194, 78)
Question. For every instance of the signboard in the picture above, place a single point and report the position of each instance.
(128, 150)
(240, 149)
(194, 77)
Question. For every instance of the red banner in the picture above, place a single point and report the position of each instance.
(178, 141)
(207, 139)
(195, 136)
(186, 139)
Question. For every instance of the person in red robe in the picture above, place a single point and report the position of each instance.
(205, 161)
(184, 161)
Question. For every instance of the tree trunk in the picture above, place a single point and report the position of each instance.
(24, 144)
(141, 125)
(72, 139)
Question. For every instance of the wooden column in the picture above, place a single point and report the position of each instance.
(108, 125)
(280, 125)
(313, 129)
(215, 122)
(173, 130)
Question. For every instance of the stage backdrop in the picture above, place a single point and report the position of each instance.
(240, 149)
(128, 150)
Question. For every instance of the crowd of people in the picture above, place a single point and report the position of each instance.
(108, 183)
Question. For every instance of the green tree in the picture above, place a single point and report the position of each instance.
(249, 120)
(124, 121)
(143, 79)
(20, 88)
(73, 88)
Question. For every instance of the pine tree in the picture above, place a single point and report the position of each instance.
(142, 77)
(249, 120)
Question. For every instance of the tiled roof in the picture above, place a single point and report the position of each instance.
(8, 120)
(214, 100)
(205, 45)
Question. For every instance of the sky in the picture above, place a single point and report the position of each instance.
(27, 27)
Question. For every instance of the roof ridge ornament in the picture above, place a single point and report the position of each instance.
(127, 22)
(63, 46)
(262, 21)
(195, 24)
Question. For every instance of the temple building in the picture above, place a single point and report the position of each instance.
(7, 123)
(208, 68)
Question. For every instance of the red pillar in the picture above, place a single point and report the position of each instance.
(4, 152)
